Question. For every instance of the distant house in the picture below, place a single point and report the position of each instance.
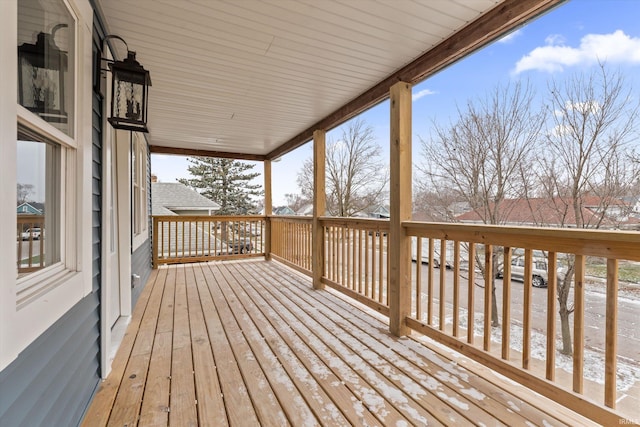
(305, 210)
(173, 198)
(283, 210)
(29, 209)
(558, 212)
(378, 211)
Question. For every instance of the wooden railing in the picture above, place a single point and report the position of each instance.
(30, 243)
(454, 305)
(355, 256)
(356, 260)
(291, 241)
(181, 239)
(452, 286)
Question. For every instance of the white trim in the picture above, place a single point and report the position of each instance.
(122, 139)
(8, 174)
(105, 289)
(62, 288)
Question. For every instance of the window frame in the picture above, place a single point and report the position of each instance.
(35, 284)
(139, 190)
(54, 290)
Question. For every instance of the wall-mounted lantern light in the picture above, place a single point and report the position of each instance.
(130, 88)
(41, 74)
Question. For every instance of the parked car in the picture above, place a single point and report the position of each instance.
(539, 273)
(237, 247)
(31, 234)
(436, 253)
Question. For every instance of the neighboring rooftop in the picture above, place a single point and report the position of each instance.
(554, 212)
(173, 198)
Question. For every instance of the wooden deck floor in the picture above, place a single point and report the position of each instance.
(249, 343)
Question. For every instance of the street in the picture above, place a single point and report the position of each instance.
(628, 309)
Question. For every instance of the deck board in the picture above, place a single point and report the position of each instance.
(250, 343)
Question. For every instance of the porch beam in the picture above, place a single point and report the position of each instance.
(268, 208)
(399, 250)
(157, 149)
(505, 17)
(319, 207)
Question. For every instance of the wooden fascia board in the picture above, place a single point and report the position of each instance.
(503, 18)
(157, 149)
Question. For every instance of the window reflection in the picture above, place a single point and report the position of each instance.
(45, 61)
(38, 203)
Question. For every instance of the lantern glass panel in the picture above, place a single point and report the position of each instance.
(46, 44)
(128, 100)
(129, 103)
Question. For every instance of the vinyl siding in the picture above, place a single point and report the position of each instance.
(53, 380)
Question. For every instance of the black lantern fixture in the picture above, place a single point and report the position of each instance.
(41, 74)
(130, 86)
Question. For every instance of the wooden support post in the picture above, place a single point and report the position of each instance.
(267, 209)
(399, 250)
(319, 207)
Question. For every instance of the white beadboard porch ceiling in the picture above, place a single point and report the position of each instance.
(247, 76)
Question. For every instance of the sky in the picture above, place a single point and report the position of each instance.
(570, 39)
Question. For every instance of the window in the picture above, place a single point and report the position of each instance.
(45, 147)
(46, 44)
(140, 187)
(39, 166)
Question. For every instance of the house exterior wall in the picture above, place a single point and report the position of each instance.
(50, 346)
(54, 378)
(140, 266)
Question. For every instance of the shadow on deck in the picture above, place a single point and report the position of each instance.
(249, 343)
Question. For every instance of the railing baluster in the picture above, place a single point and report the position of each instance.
(443, 284)
(366, 264)
(418, 278)
(456, 287)
(550, 372)
(506, 303)
(611, 334)
(470, 294)
(578, 325)
(430, 282)
(526, 308)
(380, 266)
(488, 291)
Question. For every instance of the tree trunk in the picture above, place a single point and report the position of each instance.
(495, 320)
(565, 327)
(564, 311)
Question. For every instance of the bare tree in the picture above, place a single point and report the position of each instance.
(24, 192)
(481, 157)
(296, 201)
(356, 176)
(588, 159)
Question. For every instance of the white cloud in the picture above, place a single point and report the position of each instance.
(616, 47)
(510, 37)
(422, 94)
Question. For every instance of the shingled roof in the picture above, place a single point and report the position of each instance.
(168, 198)
(553, 212)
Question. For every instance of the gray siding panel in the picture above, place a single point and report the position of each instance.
(141, 265)
(53, 380)
(58, 370)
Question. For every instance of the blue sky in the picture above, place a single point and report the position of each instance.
(569, 39)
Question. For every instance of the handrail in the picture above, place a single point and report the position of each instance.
(452, 297)
(356, 259)
(180, 239)
(469, 252)
(291, 241)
